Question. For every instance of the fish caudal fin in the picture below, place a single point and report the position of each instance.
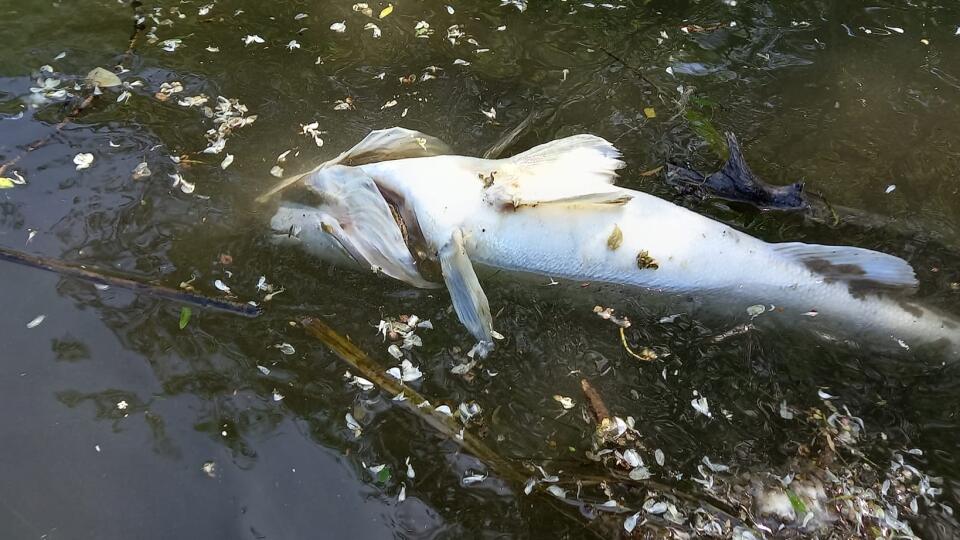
(378, 145)
(359, 218)
(469, 300)
(573, 170)
(859, 266)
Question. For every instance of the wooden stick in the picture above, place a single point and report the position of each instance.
(150, 289)
(417, 405)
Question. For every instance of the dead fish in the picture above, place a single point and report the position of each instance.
(398, 203)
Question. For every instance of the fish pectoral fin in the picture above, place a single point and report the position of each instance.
(864, 268)
(508, 198)
(573, 170)
(362, 222)
(468, 297)
(378, 145)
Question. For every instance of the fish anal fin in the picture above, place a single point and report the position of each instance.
(577, 170)
(379, 145)
(864, 268)
(469, 300)
(363, 223)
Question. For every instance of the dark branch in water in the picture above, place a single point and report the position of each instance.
(138, 28)
(736, 182)
(96, 276)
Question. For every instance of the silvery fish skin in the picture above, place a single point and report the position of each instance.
(554, 212)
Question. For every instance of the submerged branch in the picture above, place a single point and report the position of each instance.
(419, 406)
(130, 283)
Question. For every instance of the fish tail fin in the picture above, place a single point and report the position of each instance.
(858, 266)
(576, 170)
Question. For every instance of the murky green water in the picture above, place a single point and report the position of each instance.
(111, 410)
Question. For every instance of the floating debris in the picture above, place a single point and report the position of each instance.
(407, 372)
(285, 348)
(141, 171)
(473, 478)
(312, 130)
(699, 404)
(102, 78)
(607, 313)
(178, 181)
(564, 401)
(422, 30)
(354, 426)
(83, 160)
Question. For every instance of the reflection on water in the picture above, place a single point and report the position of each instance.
(849, 99)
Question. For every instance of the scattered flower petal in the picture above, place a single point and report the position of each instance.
(83, 160)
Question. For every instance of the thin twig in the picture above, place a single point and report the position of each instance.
(626, 346)
(597, 406)
(130, 283)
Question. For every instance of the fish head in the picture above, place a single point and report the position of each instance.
(308, 228)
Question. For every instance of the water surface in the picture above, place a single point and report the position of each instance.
(850, 99)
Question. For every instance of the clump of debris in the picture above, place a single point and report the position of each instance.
(830, 488)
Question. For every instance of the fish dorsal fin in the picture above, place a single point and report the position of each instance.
(574, 170)
(378, 145)
(362, 222)
(469, 300)
(390, 144)
(862, 267)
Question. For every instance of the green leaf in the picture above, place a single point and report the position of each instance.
(703, 127)
(383, 476)
(797, 504)
(184, 317)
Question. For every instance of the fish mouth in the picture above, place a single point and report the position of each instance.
(291, 233)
